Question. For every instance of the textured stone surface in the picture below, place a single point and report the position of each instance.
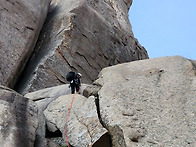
(18, 119)
(43, 98)
(150, 102)
(83, 126)
(20, 25)
(83, 36)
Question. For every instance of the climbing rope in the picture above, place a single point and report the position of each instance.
(67, 119)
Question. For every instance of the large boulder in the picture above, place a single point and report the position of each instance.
(20, 25)
(18, 119)
(83, 127)
(43, 98)
(150, 102)
(83, 36)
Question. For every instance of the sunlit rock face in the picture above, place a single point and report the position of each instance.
(83, 36)
(82, 126)
(149, 102)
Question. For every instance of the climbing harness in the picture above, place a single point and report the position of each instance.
(67, 119)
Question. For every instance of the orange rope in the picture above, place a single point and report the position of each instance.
(67, 119)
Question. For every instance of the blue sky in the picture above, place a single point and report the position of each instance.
(165, 28)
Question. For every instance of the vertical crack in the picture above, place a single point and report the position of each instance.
(93, 91)
(98, 110)
(104, 141)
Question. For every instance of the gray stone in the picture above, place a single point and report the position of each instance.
(43, 98)
(92, 90)
(82, 126)
(18, 121)
(150, 102)
(83, 36)
(50, 143)
(20, 25)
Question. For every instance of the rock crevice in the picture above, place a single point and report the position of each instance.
(84, 36)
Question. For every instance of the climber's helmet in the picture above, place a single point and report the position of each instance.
(79, 75)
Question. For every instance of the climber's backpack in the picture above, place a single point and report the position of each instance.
(70, 76)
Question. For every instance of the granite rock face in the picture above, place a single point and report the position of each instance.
(83, 36)
(82, 126)
(20, 25)
(43, 98)
(149, 102)
(135, 104)
(141, 103)
(18, 119)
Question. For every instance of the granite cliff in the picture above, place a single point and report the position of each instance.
(83, 36)
(126, 100)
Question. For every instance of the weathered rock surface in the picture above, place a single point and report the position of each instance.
(83, 36)
(18, 119)
(43, 98)
(83, 126)
(150, 102)
(136, 104)
(20, 25)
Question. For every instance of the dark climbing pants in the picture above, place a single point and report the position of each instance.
(74, 87)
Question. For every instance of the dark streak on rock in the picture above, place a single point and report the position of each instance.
(61, 54)
(10, 2)
(18, 108)
(84, 36)
(30, 28)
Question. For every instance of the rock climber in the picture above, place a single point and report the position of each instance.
(75, 83)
